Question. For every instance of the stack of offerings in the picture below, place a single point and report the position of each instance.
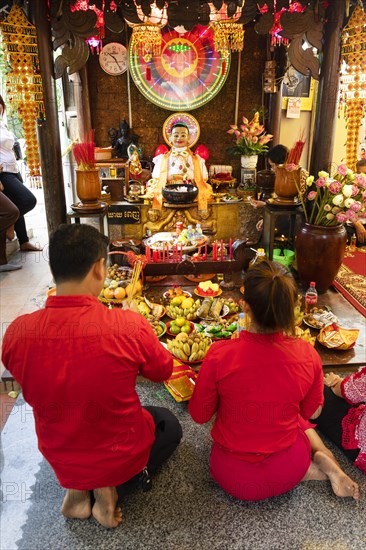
(190, 348)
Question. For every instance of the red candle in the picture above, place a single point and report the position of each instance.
(148, 256)
(231, 249)
(205, 256)
(181, 251)
(221, 250)
(214, 251)
(159, 255)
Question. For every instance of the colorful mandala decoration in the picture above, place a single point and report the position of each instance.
(188, 74)
(23, 81)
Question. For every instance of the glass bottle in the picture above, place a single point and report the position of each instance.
(352, 244)
(241, 322)
(258, 257)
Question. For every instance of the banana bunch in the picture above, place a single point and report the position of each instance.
(189, 347)
(188, 313)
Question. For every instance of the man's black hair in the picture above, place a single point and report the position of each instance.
(278, 154)
(73, 249)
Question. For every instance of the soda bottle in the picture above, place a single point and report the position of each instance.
(311, 297)
(190, 233)
(241, 322)
(198, 233)
(258, 257)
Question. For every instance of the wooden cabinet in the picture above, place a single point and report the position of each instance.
(115, 173)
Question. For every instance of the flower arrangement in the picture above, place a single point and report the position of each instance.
(84, 152)
(336, 199)
(250, 137)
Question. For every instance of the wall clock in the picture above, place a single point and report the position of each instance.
(187, 74)
(113, 58)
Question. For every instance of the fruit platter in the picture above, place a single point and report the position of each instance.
(158, 327)
(176, 326)
(148, 309)
(182, 306)
(190, 348)
(319, 318)
(305, 334)
(159, 241)
(207, 288)
(176, 291)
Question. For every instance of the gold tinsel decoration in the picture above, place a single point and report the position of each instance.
(353, 84)
(23, 82)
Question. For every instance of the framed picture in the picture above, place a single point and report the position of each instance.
(248, 177)
(295, 84)
(362, 151)
(120, 172)
(104, 172)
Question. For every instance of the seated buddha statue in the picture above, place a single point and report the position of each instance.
(179, 165)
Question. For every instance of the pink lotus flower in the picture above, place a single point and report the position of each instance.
(342, 169)
(341, 217)
(356, 206)
(335, 187)
(320, 182)
(311, 195)
(355, 190)
(291, 167)
(250, 137)
(360, 180)
(351, 215)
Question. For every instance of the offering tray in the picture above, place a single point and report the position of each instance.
(319, 318)
(166, 238)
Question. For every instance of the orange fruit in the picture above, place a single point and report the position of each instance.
(119, 293)
(108, 293)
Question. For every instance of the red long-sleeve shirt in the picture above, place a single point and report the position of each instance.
(257, 386)
(77, 364)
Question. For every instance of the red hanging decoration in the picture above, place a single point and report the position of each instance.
(148, 73)
(95, 42)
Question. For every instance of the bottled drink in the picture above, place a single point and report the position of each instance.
(352, 244)
(311, 297)
(178, 228)
(241, 322)
(258, 257)
(113, 171)
(190, 232)
(198, 233)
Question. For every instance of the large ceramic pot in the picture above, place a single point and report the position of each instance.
(286, 183)
(249, 162)
(319, 253)
(88, 186)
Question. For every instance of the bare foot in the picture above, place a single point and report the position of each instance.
(105, 510)
(29, 247)
(76, 504)
(342, 485)
(10, 233)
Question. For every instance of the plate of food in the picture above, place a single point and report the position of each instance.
(158, 327)
(231, 198)
(176, 326)
(221, 331)
(207, 288)
(190, 348)
(199, 278)
(213, 309)
(176, 291)
(166, 239)
(319, 318)
(155, 278)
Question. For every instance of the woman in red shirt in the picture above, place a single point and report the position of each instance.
(262, 386)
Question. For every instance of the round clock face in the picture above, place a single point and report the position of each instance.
(113, 58)
(187, 74)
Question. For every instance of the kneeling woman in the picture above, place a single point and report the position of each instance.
(264, 387)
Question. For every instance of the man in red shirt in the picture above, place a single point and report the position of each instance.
(77, 364)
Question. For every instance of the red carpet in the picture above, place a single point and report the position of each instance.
(351, 279)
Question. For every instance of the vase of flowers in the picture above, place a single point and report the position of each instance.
(321, 242)
(250, 141)
(88, 187)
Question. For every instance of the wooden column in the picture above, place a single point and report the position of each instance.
(48, 131)
(325, 124)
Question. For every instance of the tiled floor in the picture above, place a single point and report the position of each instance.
(19, 289)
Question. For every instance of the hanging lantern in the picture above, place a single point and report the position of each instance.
(228, 35)
(353, 80)
(147, 39)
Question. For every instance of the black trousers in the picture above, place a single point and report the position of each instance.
(168, 433)
(22, 197)
(330, 421)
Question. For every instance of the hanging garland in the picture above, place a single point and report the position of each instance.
(353, 85)
(23, 82)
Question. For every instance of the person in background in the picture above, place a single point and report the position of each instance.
(343, 418)
(9, 214)
(263, 388)
(13, 185)
(77, 363)
(358, 227)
